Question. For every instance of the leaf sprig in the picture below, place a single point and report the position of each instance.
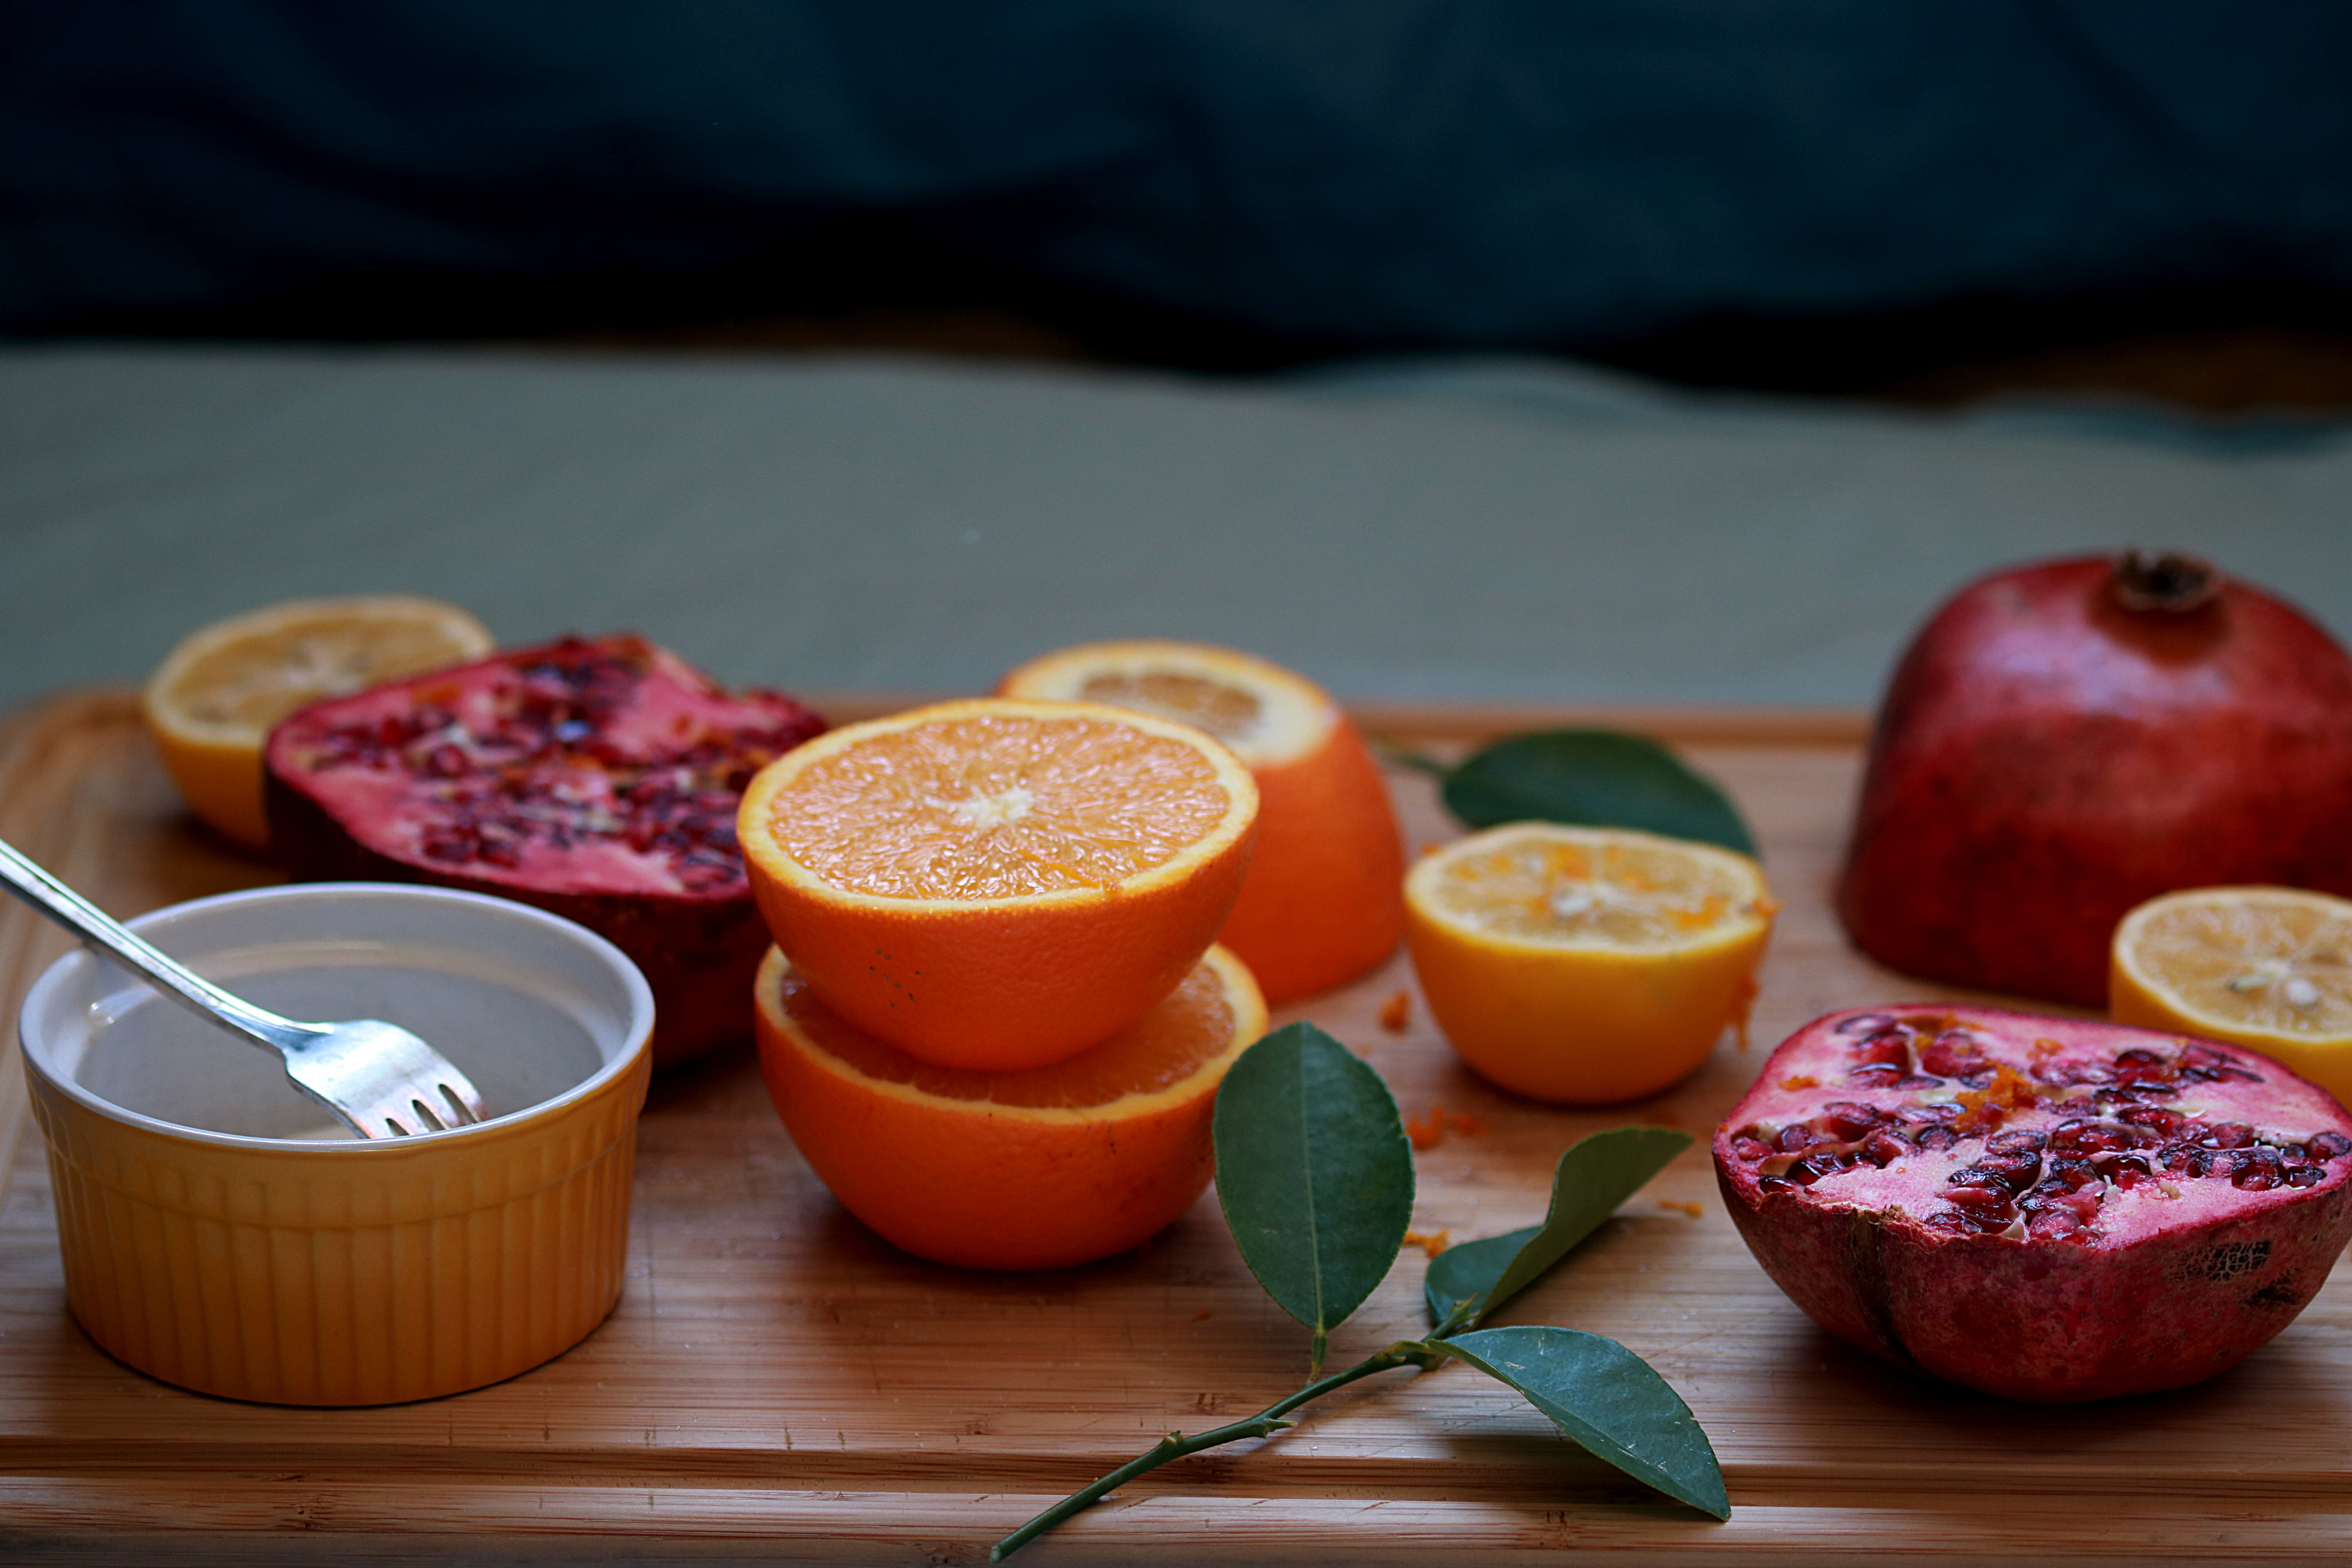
(1315, 1176)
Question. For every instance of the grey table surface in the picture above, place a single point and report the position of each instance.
(1500, 531)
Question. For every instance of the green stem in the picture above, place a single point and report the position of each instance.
(1176, 1445)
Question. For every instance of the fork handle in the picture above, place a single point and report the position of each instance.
(101, 931)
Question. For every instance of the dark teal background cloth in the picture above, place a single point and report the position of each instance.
(1350, 172)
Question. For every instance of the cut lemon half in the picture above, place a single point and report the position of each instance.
(1585, 965)
(996, 884)
(2267, 968)
(1039, 1169)
(211, 703)
(1321, 902)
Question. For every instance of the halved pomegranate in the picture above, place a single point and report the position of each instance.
(2042, 1208)
(594, 778)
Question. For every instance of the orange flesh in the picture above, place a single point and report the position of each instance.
(1636, 896)
(1191, 1027)
(1224, 711)
(997, 807)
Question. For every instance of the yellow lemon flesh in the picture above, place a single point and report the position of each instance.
(211, 703)
(1585, 965)
(2267, 968)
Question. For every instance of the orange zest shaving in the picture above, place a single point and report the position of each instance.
(1982, 1109)
(1745, 1001)
(1687, 1206)
(1430, 1131)
(1431, 1243)
(1396, 1013)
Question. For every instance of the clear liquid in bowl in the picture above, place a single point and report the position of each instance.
(521, 1037)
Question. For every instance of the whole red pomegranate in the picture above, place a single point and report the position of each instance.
(596, 779)
(2042, 1208)
(2063, 741)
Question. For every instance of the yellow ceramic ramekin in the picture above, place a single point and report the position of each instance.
(219, 1233)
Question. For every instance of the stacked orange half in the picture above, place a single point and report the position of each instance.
(1037, 1169)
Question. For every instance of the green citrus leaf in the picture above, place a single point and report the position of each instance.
(1593, 778)
(1314, 1173)
(1460, 1277)
(1609, 1401)
(1593, 1178)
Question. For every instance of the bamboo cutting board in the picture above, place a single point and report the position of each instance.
(778, 1385)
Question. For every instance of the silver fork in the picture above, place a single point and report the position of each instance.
(381, 1080)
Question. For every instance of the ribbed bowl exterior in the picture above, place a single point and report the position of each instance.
(345, 1273)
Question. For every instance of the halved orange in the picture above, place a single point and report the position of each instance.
(995, 884)
(2267, 968)
(1039, 1169)
(211, 703)
(1322, 901)
(1585, 965)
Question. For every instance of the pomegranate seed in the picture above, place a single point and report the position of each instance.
(1884, 1147)
(1973, 1196)
(1889, 1049)
(1847, 1119)
(1953, 1056)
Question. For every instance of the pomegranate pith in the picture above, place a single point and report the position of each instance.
(2046, 1209)
(597, 779)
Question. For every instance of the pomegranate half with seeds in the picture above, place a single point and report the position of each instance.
(597, 779)
(2042, 1208)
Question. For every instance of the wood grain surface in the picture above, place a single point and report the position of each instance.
(778, 1386)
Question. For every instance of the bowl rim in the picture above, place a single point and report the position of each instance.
(636, 1040)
